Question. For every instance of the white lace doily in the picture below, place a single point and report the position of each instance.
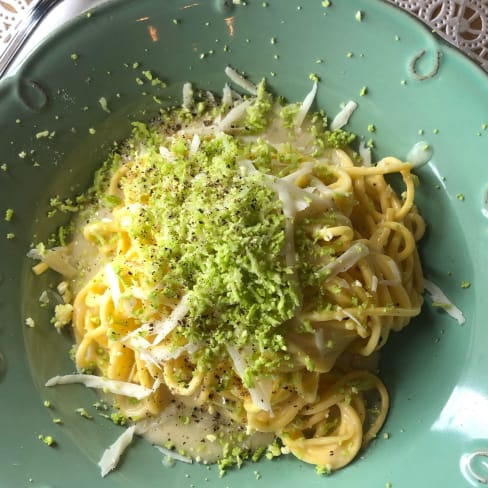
(463, 23)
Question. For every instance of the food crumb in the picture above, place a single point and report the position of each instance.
(326, 3)
(9, 213)
(465, 284)
(4, 167)
(359, 16)
(10, 236)
(103, 103)
(83, 413)
(91, 130)
(44, 133)
(47, 404)
(47, 439)
(322, 470)
(460, 196)
(363, 91)
(386, 435)
(74, 56)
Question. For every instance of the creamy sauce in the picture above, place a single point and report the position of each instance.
(84, 255)
(197, 433)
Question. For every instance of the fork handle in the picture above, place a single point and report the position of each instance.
(23, 31)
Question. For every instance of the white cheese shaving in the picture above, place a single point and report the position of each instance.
(260, 393)
(174, 455)
(353, 318)
(227, 95)
(374, 283)
(113, 283)
(420, 154)
(113, 386)
(195, 144)
(346, 260)
(58, 259)
(306, 104)
(320, 341)
(239, 80)
(112, 455)
(342, 118)
(187, 95)
(233, 116)
(365, 153)
(166, 153)
(395, 271)
(163, 327)
(438, 296)
(304, 170)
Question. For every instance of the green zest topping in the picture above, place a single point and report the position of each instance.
(47, 439)
(209, 229)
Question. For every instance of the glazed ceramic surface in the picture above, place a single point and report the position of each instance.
(435, 369)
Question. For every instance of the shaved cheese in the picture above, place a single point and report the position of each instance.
(113, 283)
(35, 253)
(174, 455)
(395, 271)
(342, 118)
(374, 283)
(365, 153)
(260, 395)
(438, 296)
(210, 97)
(163, 327)
(304, 170)
(195, 144)
(307, 103)
(164, 353)
(187, 95)
(227, 95)
(290, 254)
(419, 154)
(166, 153)
(354, 319)
(247, 166)
(347, 259)
(234, 115)
(58, 259)
(112, 455)
(239, 80)
(113, 386)
(320, 341)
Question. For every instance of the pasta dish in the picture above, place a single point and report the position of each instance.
(232, 276)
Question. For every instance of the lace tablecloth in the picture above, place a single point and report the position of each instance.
(463, 23)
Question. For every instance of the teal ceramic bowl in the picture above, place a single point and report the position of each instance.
(435, 369)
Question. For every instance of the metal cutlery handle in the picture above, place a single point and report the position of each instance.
(26, 27)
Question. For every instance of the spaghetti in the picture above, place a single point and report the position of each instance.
(246, 264)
